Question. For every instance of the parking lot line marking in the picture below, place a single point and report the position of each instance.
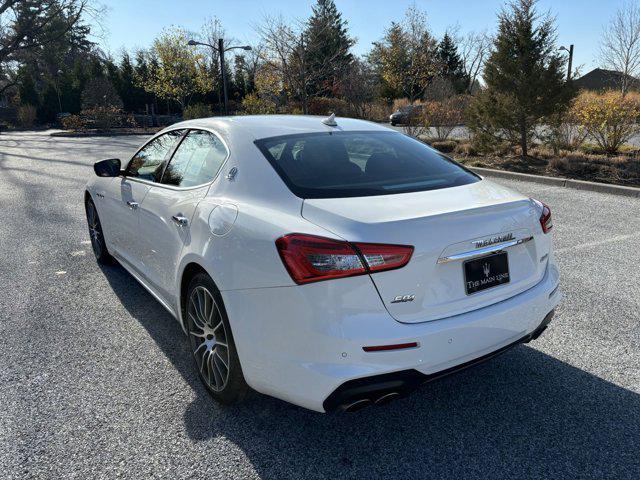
(617, 238)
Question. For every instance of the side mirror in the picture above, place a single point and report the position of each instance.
(107, 168)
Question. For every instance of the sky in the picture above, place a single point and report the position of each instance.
(134, 24)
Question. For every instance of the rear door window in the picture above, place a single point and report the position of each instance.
(196, 161)
(351, 164)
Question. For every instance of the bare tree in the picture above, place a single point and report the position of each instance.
(283, 55)
(620, 44)
(285, 49)
(359, 87)
(405, 58)
(475, 47)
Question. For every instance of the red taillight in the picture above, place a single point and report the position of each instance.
(308, 258)
(545, 218)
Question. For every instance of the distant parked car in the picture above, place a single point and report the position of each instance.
(404, 115)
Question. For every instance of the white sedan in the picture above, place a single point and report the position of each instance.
(332, 263)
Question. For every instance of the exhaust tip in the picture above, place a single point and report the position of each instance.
(357, 405)
(387, 398)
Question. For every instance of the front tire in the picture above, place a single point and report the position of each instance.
(211, 340)
(95, 233)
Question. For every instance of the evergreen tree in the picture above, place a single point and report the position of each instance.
(27, 88)
(451, 67)
(240, 76)
(327, 44)
(133, 96)
(524, 74)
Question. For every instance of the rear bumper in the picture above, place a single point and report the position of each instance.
(359, 393)
(304, 344)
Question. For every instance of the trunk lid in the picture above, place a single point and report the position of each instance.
(441, 223)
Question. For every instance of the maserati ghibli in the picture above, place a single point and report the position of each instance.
(330, 262)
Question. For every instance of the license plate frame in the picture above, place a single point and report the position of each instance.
(486, 272)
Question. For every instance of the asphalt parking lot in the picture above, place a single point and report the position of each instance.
(96, 379)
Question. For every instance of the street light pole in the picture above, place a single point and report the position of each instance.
(570, 51)
(223, 72)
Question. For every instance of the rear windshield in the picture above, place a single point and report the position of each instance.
(356, 164)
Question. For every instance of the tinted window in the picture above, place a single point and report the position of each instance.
(196, 161)
(149, 162)
(352, 164)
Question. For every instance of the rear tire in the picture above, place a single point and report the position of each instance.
(212, 345)
(95, 233)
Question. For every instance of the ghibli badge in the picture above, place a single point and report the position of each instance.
(493, 240)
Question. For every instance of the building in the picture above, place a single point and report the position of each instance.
(600, 79)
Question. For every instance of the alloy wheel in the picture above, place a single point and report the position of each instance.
(95, 230)
(208, 338)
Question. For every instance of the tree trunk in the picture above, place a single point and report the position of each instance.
(523, 137)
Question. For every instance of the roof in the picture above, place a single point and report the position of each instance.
(264, 126)
(601, 79)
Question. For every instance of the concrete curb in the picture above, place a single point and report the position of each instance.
(101, 134)
(560, 182)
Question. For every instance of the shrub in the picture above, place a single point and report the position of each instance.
(398, 103)
(374, 111)
(563, 132)
(102, 118)
(415, 126)
(465, 149)
(327, 106)
(254, 105)
(27, 115)
(197, 110)
(447, 146)
(444, 115)
(493, 119)
(608, 118)
(541, 152)
(73, 122)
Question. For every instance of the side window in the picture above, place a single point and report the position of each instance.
(196, 161)
(150, 160)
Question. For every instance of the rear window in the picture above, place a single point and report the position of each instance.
(356, 164)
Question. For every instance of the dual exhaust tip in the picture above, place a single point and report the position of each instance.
(366, 402)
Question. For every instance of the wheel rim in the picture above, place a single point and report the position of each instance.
(208, 338)
(95, 231)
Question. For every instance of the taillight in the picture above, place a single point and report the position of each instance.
(545, 216)
(308, 258)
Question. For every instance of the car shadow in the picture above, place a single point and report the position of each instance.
(524, 414)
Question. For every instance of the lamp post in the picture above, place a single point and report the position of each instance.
(570, 51)
(223, 73)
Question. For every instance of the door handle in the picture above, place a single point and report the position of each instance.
(132, 205)
(180, 220)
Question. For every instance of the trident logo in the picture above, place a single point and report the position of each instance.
(486, 268)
